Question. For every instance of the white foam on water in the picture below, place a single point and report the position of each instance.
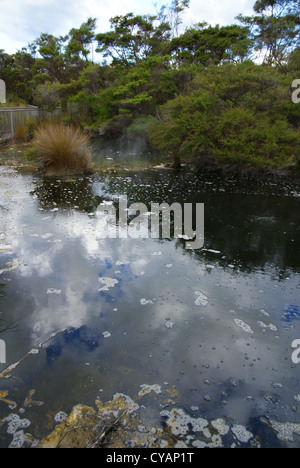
(57, 292)
(149, 388)
(202, 299)
(144, 301)
(60, 417)
(270, 326)
(243, 325)
(15, 423)
(106, 334)
(241, 433)
(180, 423)
(169, 324)
(108, 283)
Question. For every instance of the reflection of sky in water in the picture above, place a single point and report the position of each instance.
(291, 312)
(62, 281)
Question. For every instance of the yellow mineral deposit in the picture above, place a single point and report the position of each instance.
(87, 428)
(3, 395)
(29, 402)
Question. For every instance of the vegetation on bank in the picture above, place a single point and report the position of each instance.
(62, 149)
(194, 95)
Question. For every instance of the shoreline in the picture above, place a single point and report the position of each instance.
(209, 165)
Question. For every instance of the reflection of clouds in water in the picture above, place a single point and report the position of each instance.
(14, 203)
(206, 342)
(74, 312)
(82, 227)
(57, 251)
(208, 339)
(35, 263)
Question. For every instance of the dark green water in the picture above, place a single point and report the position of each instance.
(215, 325)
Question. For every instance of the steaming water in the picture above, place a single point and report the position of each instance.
(211, 329)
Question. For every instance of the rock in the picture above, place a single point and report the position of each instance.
(75, 432)
(85, 427)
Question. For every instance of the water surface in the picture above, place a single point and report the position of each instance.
(211, 328)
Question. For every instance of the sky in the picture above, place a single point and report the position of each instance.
(22, 21)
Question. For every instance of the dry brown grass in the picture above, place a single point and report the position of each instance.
(21, 134)
(63, 149)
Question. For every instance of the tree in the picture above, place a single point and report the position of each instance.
(50, 64)
(22, 69)
(47, 96)
(212, 45)
(275, 28)
(7, 69)
(171, 14)
(231, 112)
(81, 41)
(132, 39)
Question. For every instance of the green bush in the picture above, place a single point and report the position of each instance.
(235, 113)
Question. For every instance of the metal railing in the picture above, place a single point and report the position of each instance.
(12, 117)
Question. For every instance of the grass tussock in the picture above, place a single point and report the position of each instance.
(21, 134)
(62, 149)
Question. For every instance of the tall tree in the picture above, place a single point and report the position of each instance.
(275, 28)
(172, 13)
(81, 41)
(132, 39)
(206, 45)
(50, 64)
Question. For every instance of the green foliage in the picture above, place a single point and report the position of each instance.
(80, 41)
(192, 93)
(31, 126)
(234, 113)
(133, 39)
(141, 125)
(275, 28)
(206, 45)
(47, 95)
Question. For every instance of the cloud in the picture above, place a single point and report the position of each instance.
(22, 21)
(214, 12)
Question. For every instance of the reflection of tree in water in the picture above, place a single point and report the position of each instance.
(67, 193)
(5, 324)
(255, 231)
(2, 290)
(252, 223)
